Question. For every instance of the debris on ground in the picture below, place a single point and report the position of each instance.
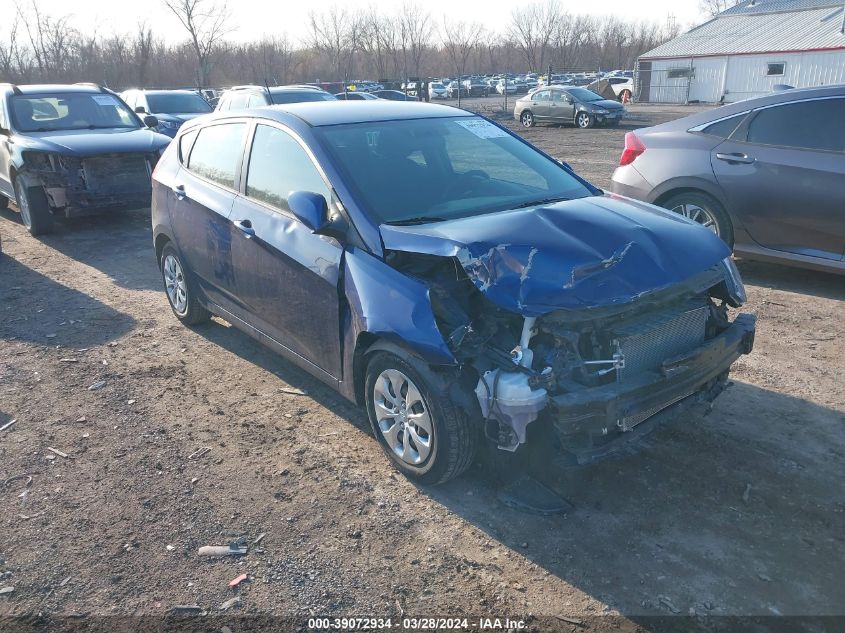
(200, 452)
(187, 609)
(16, 477)
(68, 360)
(58, 452)
(232, 602)
(97, 385)
(575, 621)
(233, 549)
(259, 538)
(6, 590)
(293, 391)
(666, 602)
(237, 581)
(130, 402)
(8, 424)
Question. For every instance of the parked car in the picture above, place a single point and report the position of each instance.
(241, 97)
(437, 90)
(295, 225)
(394, 95)
(171, 107)
(501, 86)
(567, 104)
(355, 96)
(764, 174)
(70, 150)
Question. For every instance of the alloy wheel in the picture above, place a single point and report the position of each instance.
(174, 282)
(23, 206)
(698, 214)
(403, 417)
(527, 119)
(583, 120)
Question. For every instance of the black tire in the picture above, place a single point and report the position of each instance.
(454, 437)
(711, 206)
(527, 119)
(34, 208)
(584, 120)
(192, 312)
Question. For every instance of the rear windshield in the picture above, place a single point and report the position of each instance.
(423, 170)
(301, 96)
(70, 111)
(178, 103)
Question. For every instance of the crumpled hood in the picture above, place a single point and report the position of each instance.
(583, 253)
(607, 104)
(92, 142)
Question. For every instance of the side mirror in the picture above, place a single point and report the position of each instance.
(309, 208)
(140, 110)
(150, 121)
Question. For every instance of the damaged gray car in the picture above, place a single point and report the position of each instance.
(439, 270)
(72, 150)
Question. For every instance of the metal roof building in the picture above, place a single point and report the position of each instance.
(747, 50)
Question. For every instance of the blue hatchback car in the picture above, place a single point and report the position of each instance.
(456, 281)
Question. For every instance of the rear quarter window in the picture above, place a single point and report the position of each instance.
(726, 127)
(216, 153)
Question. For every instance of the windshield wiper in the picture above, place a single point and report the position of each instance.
(422, 219)
(537, 203)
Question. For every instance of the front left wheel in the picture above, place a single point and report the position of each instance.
(180, 289)
(34, 208)
(584, 120)
(423, 432)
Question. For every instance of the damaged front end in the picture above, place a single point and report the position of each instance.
(80, 185)
(641, 349)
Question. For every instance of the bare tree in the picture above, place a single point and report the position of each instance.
(715, 7)
(336, 33)
(415, 29)
(460, 39)
(11, 62)
(532, 28)
(206, 22)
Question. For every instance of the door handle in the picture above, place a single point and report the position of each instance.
(245, 227)
(736, 158)
(179, 192)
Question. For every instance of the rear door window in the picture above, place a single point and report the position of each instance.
(278, 165)
(217, 152)
(814, 125)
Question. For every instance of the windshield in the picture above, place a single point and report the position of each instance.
(71, 111)
(433, 169)
(300, 96)
(582, 94)
(178, 103)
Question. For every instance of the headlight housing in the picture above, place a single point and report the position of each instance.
(39, 161)
(733, 283)
(170, 125)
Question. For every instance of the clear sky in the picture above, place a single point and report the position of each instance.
(254, 18)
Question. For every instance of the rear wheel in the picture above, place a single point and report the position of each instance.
(584, 120)
(527, 119)
(180, 289)
(34, 208)
(703, 209)
(426, 436)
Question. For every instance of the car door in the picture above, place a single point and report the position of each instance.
(562, 109)
(203, 192)
(540, 102)
(292, 288)
(783, 173)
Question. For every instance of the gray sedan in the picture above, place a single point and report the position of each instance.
(765, 174)
(567, 104)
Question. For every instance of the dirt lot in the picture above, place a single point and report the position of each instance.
(739, 513)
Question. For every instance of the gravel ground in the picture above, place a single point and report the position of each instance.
(738, 513)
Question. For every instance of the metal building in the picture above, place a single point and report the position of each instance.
(746, 51)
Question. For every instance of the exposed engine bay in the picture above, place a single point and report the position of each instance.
(595, 371)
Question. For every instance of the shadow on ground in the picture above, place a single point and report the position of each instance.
(119, 245)
(36, 309)
(701, 517)
(792, 279)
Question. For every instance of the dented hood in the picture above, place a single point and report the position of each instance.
(583, 253)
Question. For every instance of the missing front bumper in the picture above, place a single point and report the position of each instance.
(593, 422)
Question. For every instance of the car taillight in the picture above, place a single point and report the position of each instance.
(633, 148)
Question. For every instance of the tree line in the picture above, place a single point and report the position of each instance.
(341, 45)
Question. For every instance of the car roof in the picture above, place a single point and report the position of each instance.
(55, 88)
(739, 107)
(321, 113)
